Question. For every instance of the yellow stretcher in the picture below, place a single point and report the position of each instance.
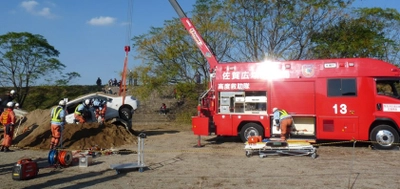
(289, 147)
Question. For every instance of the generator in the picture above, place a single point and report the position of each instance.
(25, 169)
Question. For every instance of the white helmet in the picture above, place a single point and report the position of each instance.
(274, 109)
(61, 103)
(87, 101)
(10, 104)
(16, 105)
(12, 92)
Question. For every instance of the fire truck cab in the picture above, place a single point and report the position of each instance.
(329, 99)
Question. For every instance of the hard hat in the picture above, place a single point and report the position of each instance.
(10, 104)
(61, 103)
(12, 92)
(274, 109)
(87, 101)
(16, 104)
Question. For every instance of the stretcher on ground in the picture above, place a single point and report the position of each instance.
(270, 147)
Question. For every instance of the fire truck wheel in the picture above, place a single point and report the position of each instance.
(251, 129)
(384, 137)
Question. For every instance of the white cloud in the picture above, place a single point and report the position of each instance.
(102, 21)
(30, 6)
(45, 12)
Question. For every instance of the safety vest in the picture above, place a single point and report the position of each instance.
(4, 118)
(76, 110)
(283, 114)
(56, 114)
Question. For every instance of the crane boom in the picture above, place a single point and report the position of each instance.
(198, 39)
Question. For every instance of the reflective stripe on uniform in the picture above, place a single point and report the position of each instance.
(56, 114)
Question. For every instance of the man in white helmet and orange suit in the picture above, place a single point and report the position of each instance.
(8, 119)
(81, 110)
(57, 122)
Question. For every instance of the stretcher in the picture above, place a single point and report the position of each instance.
(289, 147)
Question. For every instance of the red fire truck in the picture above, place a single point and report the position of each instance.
(330, 99)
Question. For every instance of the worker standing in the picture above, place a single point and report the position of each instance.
(8, 119)
(81, 110)
(57, 123)
(283, 121)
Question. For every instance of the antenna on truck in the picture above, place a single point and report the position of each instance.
(201, 44)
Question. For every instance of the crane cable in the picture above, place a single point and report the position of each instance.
(122, 87)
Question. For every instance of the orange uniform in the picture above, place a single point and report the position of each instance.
(101, 112)
(8, 119)
(57, 122)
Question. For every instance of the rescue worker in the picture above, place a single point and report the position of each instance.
(9, 97)
(81, 110)
(8, 119)
(283, 121)
(57, 123)
(100, 109)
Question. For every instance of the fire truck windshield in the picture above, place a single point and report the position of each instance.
(388, 87)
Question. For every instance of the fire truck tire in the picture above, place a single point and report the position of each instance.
(384, 137)
(251, 129)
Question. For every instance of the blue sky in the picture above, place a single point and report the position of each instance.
(91, 34)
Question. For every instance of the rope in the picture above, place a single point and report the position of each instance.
(122, 87)
(129, 19)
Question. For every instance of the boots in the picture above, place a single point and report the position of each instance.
(2, 149)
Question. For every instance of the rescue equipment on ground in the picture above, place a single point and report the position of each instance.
(62, 157)
(85, 161)
(52, 157)
(290, 147)
(25, 169)
(140, 162)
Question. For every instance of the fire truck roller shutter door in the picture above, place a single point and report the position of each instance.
(384, 137)
(251, 129)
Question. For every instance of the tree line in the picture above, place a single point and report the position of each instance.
(251, 31)
(236, 31)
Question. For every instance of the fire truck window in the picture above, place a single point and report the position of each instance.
(388, 88)
(342, 87)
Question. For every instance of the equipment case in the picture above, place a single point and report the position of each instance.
(25, 169)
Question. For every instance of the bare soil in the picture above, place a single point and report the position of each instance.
(172, 162)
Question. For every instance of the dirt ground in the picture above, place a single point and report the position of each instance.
(172, 162)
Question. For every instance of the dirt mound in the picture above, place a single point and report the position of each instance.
(35, 132)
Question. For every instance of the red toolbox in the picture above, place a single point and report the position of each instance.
(25, 169)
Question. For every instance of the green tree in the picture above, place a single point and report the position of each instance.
(169, 54)
(24, 59)
(369, 33)
(280, 29)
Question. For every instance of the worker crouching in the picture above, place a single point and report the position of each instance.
(283, 121)
(8, 119)
(80, 110)
(57, 123)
